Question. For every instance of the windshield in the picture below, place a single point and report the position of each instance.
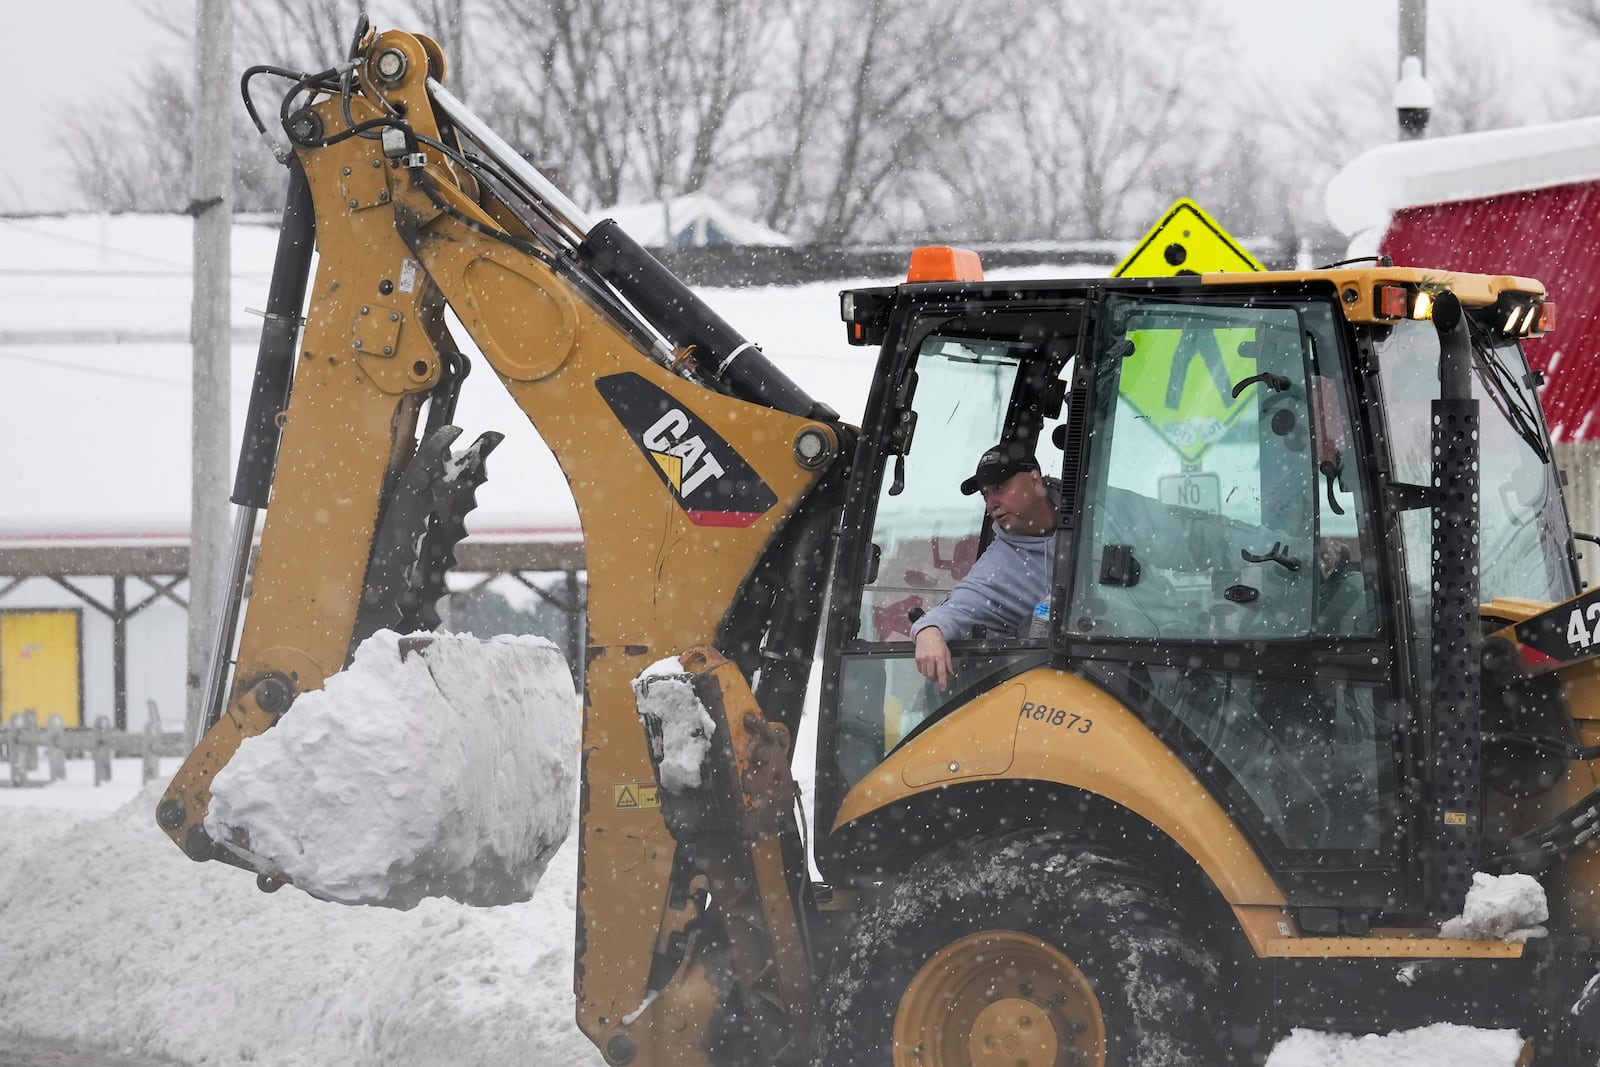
(1525, 539)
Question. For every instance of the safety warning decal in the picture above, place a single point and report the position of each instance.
(710, 481)
(627, 796)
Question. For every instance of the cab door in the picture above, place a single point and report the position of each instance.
(1228, 588)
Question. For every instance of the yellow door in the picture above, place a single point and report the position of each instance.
(39, 665)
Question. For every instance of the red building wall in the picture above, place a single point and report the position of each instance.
(1552, 235)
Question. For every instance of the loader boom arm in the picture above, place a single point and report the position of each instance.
(685, 461)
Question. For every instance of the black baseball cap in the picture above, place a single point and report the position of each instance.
(996, 465)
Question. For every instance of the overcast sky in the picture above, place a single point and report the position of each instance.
(74, 53)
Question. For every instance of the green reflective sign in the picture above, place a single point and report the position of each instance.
(1181, 381)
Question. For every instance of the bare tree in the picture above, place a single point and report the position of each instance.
(446, 22)
(706, 61)
(802, 49)
(131, 152)
(1582, 15)
(1309, 134)
(304, 34)
(1473, 86)
(1576, 94)
(632, 97)
(128, 152)
(1120, 100)
(1100, 102)
(567, 90)
(907, 82)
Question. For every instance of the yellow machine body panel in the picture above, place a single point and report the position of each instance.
(1094, 744)
(1572, 889)
(1357, 287)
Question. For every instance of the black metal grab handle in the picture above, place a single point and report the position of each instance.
(1276, 554)
(1332, 470)
(1275, 382)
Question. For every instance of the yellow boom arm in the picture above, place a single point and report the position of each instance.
(680, 486)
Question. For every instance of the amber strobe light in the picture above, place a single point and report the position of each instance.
(941, 263)
(1546, 319)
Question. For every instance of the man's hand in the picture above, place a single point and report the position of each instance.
(933, 657)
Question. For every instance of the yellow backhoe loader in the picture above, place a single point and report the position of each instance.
(1313, 654)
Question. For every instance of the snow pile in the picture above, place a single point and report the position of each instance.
(1439, 1045)
(109, 935)
(445, 772)
(1508, 907)
(676, 722)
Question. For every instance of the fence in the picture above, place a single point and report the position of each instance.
(24, 745)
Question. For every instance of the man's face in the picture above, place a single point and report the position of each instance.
(1021, 504)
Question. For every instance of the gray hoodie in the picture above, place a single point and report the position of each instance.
(1000, 592)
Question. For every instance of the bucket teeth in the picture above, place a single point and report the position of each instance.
(422, 522)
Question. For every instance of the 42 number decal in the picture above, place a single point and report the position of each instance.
(1561, 634)
(1067, 720)
(1583, 627)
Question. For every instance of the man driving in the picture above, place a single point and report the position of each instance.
(1012, 576)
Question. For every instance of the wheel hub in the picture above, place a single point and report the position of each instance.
(999, 998)
(1013, 1033)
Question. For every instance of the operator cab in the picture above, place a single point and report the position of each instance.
(1229, 529)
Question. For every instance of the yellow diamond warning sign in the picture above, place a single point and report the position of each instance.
(1185, 241)
(626, 796)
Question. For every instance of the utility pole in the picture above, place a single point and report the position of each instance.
(1413, 96)
(458, 31)
(210, 331)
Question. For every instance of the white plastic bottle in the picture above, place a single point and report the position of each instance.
(1039, 629)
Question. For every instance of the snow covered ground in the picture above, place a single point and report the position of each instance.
(109, 936)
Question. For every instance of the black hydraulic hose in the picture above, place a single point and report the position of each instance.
(269, 393)
(684, 319)
(1546, 745)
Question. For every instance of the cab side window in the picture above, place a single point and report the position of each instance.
(925, 536)
(968, 393)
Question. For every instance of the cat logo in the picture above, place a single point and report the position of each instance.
(677, 454)
(710, 481)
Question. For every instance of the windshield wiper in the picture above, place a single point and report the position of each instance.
(1508, 399)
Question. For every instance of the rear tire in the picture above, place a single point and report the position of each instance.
(1025, 949)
